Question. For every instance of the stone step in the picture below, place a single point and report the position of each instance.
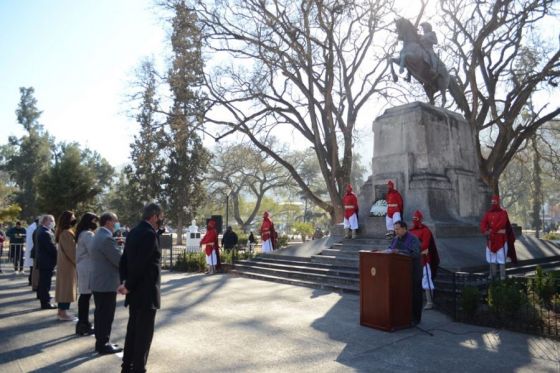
(310, 268)
(291, 281)
(292, 273)
(308, 263)
(341, 253)
(333, 260)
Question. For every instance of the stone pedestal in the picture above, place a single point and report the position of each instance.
(430, 154)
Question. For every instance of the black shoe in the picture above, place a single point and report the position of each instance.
(48, 306)
(84, 329)
(108, 349)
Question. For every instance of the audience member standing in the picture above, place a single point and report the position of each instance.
(46, 260)
(17, 239)
(65, 290)
(84, 233)
(28, 260)
(2, 239)
(252, 241)
(141, 276)
(229, 239)
(104, 281)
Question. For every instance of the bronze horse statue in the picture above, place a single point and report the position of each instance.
(416, 60)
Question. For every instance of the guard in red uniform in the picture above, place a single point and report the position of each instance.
(429, 256)
(210, 246)
(500, 239)
(268, 234)
(350, 202)
(395, 208)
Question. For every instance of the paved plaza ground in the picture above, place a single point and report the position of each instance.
(222, 323)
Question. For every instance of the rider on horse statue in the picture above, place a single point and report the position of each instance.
(427, 40)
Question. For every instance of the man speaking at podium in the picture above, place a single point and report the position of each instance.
(406, 243)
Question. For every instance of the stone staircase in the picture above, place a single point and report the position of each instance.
(334, 269)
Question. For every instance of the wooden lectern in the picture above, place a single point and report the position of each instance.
(385, 290)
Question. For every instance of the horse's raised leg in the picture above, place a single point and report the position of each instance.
(443, 98)
(401, 63)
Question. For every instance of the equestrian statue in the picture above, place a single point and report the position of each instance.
(418, 57)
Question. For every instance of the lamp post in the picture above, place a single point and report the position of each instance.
(227, 210)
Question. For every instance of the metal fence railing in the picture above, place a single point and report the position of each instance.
(524, 304)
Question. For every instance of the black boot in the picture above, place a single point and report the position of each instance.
(84, 328)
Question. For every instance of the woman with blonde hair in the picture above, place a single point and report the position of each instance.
(66, 277)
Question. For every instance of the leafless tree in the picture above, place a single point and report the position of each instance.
(241, 170)
(492, 44)
(305, 69)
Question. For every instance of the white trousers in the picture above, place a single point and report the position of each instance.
(427, 283)
(267, 246)
(499, 257)
(211, 259)
(351, 222)
(390, 221)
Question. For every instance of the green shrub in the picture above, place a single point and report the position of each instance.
(283, 241)
(470, 301)
(544, 286)
(555, 303)
(553, 236)
(190, 262)
(505, 298)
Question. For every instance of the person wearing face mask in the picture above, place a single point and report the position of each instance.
(46, 260)
(210, 245)
(500, 239)
(350, 202)
(268, 234)
(395, 208)
(104, 280)
(428, 255)
(140, 270)
(85, 233)
(66, 277)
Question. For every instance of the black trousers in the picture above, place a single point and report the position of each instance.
(83, 308)
(16, 253)
(139, 333)
(105, 304)
(44, 286)
(416, 290)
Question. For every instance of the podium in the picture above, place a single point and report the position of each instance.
(385, 290)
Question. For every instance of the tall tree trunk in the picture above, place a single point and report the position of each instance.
(537, 182)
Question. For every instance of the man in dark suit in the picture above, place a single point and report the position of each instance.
(140, 269)
(104, 281)
(46, 258)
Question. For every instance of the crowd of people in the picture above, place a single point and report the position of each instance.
(89, 259)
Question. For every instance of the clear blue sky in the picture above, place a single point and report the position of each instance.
(79, 55)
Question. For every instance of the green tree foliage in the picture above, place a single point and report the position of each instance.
(26, 159)
(148, 165)
(303, 229)
(186, 157)
(123, 198)
(73, 182)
